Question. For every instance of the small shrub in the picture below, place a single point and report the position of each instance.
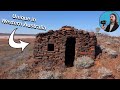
(105, 73)
(50, 75)
(84, 62)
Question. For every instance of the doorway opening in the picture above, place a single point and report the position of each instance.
(70, 51)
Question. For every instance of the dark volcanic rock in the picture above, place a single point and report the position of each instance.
(64, 44)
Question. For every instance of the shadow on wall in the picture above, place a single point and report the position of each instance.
(98, 51)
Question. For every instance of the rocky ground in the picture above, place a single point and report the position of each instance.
(17, 65)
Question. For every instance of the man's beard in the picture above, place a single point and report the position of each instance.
(112, 22)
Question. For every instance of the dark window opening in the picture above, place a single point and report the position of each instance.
(50, 47)
(70, 51)
(86, 44)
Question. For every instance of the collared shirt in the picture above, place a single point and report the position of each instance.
(111, 26)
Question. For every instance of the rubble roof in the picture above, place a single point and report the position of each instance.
(65, 28)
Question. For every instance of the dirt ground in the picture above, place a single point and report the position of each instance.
(11, 59)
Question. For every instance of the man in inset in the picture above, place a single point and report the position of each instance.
(113, 24)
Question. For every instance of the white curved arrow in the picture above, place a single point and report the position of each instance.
(16, 45)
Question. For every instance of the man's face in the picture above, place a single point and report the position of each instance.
(112, 18)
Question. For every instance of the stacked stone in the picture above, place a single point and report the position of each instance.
(85, 44)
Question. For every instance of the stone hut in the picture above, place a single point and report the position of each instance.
(63, 46)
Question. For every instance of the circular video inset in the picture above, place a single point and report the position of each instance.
(109, 21)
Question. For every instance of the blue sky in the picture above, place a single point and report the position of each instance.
(86, 20)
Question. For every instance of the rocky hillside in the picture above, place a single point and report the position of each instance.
(105, 66)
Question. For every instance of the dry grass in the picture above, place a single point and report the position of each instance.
(11, 57)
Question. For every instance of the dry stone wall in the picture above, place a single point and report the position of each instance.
(85, 43)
